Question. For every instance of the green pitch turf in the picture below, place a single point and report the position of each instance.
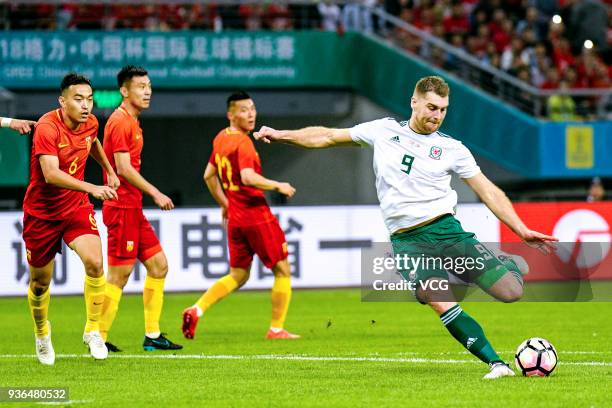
(352, 354)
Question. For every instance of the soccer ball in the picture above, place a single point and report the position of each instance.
(536, 357)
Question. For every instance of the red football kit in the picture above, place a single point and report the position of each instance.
(51, 212)
(130, 235)
(252, 229)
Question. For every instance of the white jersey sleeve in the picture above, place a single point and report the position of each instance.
(465, 164)
(364, 133)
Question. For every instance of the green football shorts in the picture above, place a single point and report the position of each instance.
(442, 249)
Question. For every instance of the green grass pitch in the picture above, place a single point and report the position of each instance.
(352, 354)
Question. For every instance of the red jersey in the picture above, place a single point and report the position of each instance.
(122, 133)
(52, 137)
(232, 152)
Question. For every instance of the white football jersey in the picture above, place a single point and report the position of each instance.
(413, 171)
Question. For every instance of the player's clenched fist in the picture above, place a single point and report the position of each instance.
(266, 134)
(104, 193)
(286, 189)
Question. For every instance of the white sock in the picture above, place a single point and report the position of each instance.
(153, 335)
(276, 329)
(199, 310)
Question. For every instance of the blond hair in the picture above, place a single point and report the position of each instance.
(433, 84)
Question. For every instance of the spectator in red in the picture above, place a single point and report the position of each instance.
(600, 77)
(278, 17)
(562, 54)
(571, 76)
(201, 16)
(457, 22)
(552, 79)
(252, 16)
(499, 16)
(481, 40)
(502, 37)
(88, 16)
(424, 20)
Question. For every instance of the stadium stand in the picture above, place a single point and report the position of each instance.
(543, 47)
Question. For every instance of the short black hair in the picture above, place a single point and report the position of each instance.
(72, 78)
(128, 72)
(237, 96)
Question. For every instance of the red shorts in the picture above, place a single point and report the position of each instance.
(130, 235)
(267, 240)
(43, 238)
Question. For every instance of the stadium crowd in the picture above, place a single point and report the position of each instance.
(550, 44)
(539, 42)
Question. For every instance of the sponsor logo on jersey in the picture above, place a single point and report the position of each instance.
(435, 152)
(129, 246)
(395, 139)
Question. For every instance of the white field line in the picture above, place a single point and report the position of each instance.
(288, 357)
(443, 353)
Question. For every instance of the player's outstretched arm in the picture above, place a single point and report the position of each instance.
(97, 152)
(314, 137)
(129, 173)
(500, 205)
(251, 178)
(20, 125)
(53, 175)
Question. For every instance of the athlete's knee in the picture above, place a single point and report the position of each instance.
(510, 294)
(241, 276)
(39, 283)
(93, 266)
(158, 269)
(282, 269)
(118, 277)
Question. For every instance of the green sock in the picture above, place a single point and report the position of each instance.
(468, 332)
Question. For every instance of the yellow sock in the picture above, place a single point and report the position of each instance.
(153, 300)
(112, 297)
(94, 300)
(39, 307)
(281, 296)
(217, 291)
